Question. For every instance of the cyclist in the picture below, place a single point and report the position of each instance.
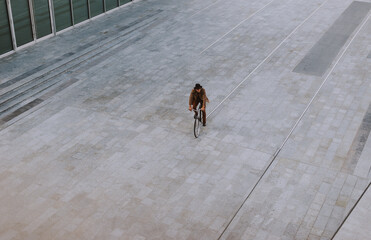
(198, 95)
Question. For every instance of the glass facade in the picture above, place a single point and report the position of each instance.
(5, 35)
(42, 18)
(36, 18)
(96, 7)
(122, 2)
(80, 10)
(62, 12)
(111, 4)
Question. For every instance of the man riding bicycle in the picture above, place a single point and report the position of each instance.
(198, 95)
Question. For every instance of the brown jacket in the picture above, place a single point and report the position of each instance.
(194, 94)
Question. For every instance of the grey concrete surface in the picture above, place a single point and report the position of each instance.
(96, 140)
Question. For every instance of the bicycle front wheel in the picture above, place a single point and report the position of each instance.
(196, 128)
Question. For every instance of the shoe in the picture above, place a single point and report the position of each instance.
(204, 124)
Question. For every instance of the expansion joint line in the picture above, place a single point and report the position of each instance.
(296, 124)
(262, 62)
(236, 26)
(351, 210)
(279, 149)
(324, 81)
(212, 4)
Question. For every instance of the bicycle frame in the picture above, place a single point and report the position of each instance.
(198, 121)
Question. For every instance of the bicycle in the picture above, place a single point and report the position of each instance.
(198, 121)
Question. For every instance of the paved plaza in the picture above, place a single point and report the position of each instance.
(96, 140)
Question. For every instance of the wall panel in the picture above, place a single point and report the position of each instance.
(111, 4)
(96, 7)
(22, 21)
(80, 10)
(42, 18)
(5, 35)
(62, 12)
(122, 2)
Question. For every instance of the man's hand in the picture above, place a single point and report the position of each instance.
(203, 109)
(190, 108)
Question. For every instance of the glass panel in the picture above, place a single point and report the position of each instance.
(80, 10)
(110, 4)
(62, 12)
(42, 18)
(22, 21)
(96, 7)
(122, 2)
(5, 36)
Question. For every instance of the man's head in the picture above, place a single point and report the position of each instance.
(198, 87)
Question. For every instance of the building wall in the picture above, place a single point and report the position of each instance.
(23, 22)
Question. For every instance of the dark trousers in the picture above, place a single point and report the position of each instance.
(195, 103)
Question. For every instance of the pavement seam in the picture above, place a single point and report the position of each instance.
(249, 194)
(269, 55)
(350, 211)
(297, 122)
(205, 8)
(323, 82)
(274, 156)
(236, 27)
